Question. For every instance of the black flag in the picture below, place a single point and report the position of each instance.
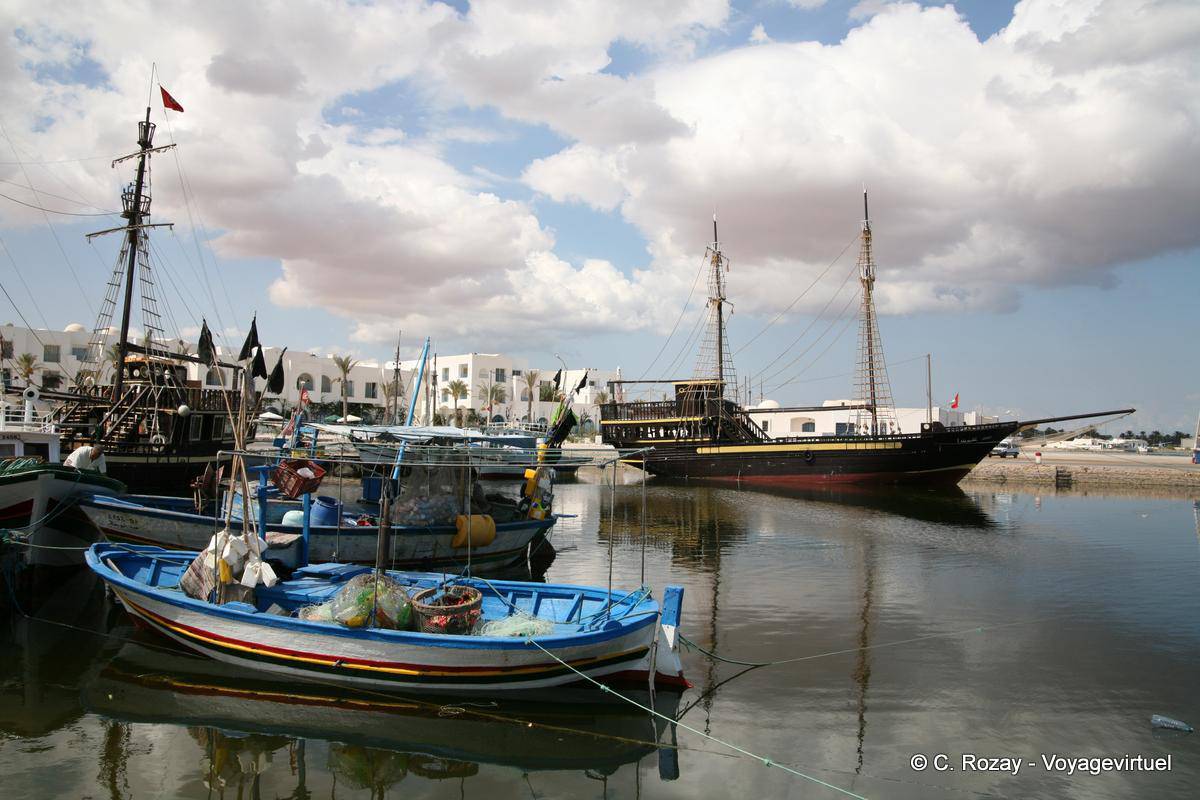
(557, 379)
(275, 382)
(204, 348)
(251, 343)
(259, 369)
(582, 382)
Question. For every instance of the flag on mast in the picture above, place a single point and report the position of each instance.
(168, 101)
(955, 403)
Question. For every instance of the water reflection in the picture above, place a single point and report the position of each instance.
(239, 720)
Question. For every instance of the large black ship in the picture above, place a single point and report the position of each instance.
(701, 432)
(159, 429)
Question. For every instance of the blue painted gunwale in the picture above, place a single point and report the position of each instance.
(633, 620)
(129, 505)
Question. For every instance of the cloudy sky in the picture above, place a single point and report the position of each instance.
(541, 177)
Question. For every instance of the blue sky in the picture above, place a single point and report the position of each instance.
(566, 212)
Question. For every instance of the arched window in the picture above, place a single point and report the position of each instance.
(803, 425)
(543, 421)
(214, 377)
(326, 384)
(498, 418)
(524, 395)
(305, 381)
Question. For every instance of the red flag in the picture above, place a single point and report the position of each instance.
(955, 403)
(170, 102)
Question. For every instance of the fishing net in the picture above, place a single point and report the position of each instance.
(519, 624)
(354, 603)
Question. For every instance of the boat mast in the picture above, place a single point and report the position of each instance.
(714, 360)
(134, 213)
(396, 383)
(873, 389)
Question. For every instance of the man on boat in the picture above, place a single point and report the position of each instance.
(88, 456)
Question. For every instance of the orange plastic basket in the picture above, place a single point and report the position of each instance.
(289, 480)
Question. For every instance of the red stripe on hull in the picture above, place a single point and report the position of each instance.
(951, 476)
(342, 660)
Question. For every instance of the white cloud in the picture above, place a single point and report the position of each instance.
(992, 165)
(759, 34)
(1046, 154)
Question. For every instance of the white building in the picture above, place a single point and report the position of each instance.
(474, 375)
(59, 356)
(834, 419)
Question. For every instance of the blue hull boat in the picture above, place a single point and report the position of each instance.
(611, 637)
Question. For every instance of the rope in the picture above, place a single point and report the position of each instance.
(767, 762)
(864, 648)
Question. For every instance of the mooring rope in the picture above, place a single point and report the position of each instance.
(768, 762)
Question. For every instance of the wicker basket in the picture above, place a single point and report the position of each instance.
(459, 616)
(289, 480)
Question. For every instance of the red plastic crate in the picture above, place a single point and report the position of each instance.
(289, 480)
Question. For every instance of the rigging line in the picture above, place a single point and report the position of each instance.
(180, 288)
(32, 298)
(64, 197)
(848, 374)
(160, 265)
(55, 210)
(765, 761)
(850, 300)
(812, 322)
(800, 296)
(678, 319)
(46, 217)
(849, 324)
(689, 343)
(185, 184)
(202, 282)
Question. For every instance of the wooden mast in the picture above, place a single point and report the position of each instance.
(133, 212)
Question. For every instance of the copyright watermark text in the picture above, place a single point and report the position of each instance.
(1047, 762)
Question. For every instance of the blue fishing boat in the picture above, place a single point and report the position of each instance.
(604, 634)
(175, 523)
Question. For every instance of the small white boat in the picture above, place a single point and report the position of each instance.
(617, 636)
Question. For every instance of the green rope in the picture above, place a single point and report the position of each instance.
(766, 762)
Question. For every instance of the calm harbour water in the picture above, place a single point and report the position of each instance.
(997, 624)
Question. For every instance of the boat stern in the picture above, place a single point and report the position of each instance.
(668, 669)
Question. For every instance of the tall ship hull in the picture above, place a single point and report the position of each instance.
(936, 456)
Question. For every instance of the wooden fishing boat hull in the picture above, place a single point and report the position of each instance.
(625, 643)
(939, 457)
(172, 523)
(45, 497)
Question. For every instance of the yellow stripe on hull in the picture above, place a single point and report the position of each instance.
(799, 448)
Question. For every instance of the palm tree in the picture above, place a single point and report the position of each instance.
(112, 356)
(393, 395)
(491, 393)
(458, 390)
(601, 398)
(344, 365)
(531, 387)
(546, 392)
(27, 366)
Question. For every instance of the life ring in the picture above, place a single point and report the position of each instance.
(158, 442)
(808, 456)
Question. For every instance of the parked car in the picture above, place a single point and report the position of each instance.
(1005, 448)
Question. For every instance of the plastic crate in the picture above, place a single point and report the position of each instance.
(289, 480)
